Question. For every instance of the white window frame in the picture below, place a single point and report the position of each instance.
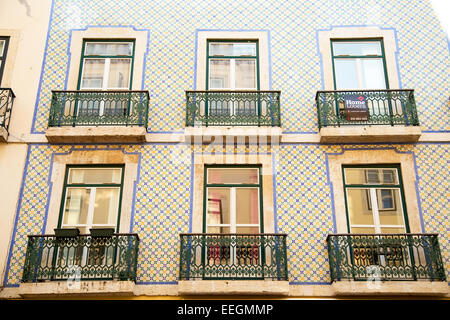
(232, 67)
(106, 67)
(90, 216)
(233, 225)
(358, 60)
(233, 203)
(374, 201)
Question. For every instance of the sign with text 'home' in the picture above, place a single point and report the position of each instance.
(356, 107)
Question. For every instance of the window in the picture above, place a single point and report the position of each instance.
(233, 200)
(232, 65)
(233, 205)
(106, 65)
(91, 198)
(374, 200)
(359, 64)
(4, 42)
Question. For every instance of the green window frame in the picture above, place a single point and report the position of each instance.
(93, 187)
(232, 58)
(257, 185)
(359, 59)
(107, 61)
(373, 193)
(4, 43)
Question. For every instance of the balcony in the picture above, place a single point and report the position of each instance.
(402, 261)
(237, 113)
(98, 116)
(208, 256)
(367, 116)
(83, 257)
(6, 104)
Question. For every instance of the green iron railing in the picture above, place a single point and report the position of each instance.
(233, 256)
(6, 103)
(233, 108)
(99, 108)
(82, 257)
(366, 107)
(387, 257)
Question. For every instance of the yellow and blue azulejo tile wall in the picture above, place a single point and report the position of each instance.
(162, 205)
(295, 64)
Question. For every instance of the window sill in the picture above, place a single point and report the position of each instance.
(61, 288)
(233, 287)
(407, 288)
(101, 134)
(359, 134)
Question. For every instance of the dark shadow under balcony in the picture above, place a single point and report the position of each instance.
(385, 257)
(233, 256)
(233, 108)
(82, 257)
(98, 116)
(7, 97)
(367, 116)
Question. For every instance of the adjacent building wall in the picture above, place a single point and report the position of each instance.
(26, 23)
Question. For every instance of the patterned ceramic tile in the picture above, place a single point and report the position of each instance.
(423, 59)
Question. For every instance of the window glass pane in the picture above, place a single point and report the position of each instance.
(94, 175)
(247, 206)
(109, 49)
(119, 73)
(106, 206)
(362, 230)
(373, 74)
(2, 46)
(389, 206)
(233, 176)
(245, 74)
(93, 70)
(393, 230)
(232, 49)
(219, 74)
(357, 48)
(245, 230)
(218, 206)
(218, 229)
(346, 74)
(76, 206)
(386, 176)
(358, 206)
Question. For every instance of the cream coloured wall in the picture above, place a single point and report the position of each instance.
(28, 32)
(27, 29)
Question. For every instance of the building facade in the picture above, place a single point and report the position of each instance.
(289, 148)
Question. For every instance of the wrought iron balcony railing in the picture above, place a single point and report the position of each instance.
(367, 107)
(82, 257)
(233, 256)
(99, 108)
(385, 257)
(6, 104)
(233, 108)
